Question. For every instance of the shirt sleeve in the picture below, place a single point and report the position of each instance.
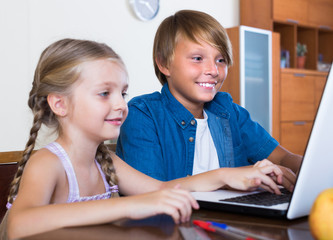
(138, 143)
(258, 143)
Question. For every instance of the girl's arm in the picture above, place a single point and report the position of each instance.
(33, 210)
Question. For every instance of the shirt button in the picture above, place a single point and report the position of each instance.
(193, 122)
(191, 139)
(183, 123)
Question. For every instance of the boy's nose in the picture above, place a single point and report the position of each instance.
(212, 69)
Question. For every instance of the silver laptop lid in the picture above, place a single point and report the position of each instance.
(316, 173)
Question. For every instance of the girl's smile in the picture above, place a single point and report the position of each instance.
(115, 121)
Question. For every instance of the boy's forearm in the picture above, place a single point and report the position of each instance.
(292, 161)
(283, 157)
(207, 181)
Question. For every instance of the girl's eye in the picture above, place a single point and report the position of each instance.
(124, 94)
(221, 60)
(104, 94)
(197, 58)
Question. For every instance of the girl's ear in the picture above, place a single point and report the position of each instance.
(162, 67)
(58, 104)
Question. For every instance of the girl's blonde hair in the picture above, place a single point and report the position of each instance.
(194, 26)
(57, 70)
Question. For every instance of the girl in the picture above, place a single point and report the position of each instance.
(79, 89)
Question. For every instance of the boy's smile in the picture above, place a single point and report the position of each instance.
(207, 85)
(195, 74)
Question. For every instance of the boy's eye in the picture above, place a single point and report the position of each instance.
(124, 94)
(221, 60)
(104, 94)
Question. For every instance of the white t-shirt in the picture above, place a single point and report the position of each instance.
(205, 155)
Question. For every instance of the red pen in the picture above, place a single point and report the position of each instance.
(208, 226)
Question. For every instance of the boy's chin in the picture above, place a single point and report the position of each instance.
(207, 98)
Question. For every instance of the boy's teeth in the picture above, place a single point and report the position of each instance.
(206, 84)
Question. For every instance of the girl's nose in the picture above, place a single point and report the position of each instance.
(119, 103)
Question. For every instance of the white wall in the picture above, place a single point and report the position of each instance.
(28, 26)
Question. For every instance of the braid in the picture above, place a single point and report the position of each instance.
(103, 157)
(37, 123)
(57, 70)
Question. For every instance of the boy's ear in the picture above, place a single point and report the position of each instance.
(58, 104)
(162, 67)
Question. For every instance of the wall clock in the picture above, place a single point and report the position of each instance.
(145, 10)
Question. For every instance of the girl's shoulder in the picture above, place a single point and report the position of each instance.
(41, 176)
(44, 160)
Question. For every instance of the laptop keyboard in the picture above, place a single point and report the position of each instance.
(262, 198)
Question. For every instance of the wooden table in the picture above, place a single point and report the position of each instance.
(162, 227)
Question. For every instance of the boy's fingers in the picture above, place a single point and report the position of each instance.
(286, 183)
(289, 178)
(263, 182)
(290, 175)
(268, 183)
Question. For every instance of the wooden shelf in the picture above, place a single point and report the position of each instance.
(302, 21)
(296, 92)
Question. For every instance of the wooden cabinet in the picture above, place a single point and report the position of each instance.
(320, 13)
(297, 97)
(262, 13)
(252, 77)
(320, 82)
(308, 22)
(295, 135)
(294, 11)
(256, 13)
(300, 94)
(296, 92)
(314, 13)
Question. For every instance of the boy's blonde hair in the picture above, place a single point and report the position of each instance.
(192, 25)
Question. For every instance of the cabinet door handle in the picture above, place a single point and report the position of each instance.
(325, 27)
(299, 123)
(292, 21)
(299, 74)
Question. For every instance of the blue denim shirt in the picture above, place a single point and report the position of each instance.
(158, 136)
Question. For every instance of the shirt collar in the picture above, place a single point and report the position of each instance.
(181, 115)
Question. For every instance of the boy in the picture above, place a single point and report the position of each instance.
(191, 127)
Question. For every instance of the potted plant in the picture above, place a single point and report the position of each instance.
(301, 50)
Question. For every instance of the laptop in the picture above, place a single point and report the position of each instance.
(315, 173)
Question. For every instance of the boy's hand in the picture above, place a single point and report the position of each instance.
(252, 178)
(288, 177)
